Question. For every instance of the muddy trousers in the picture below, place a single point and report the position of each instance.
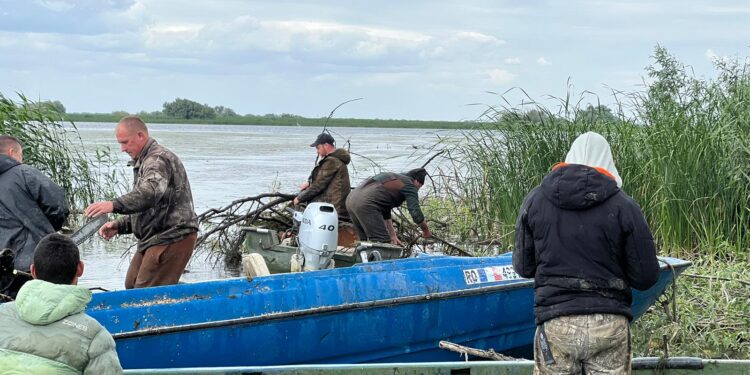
(366, 214)
(583, 344)
(160, 264)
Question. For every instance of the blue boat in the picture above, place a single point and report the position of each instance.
(389, 311)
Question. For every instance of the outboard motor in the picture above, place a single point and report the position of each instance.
(318, 235)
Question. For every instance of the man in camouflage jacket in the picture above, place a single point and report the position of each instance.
(158, 211)
(329, 180)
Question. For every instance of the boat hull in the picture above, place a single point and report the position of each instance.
(390, 311)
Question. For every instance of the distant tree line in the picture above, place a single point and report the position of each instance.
(46, 105)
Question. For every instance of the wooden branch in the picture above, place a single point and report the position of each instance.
(256, 198)
(452, 246)
(251, 216)
(465, 350)
(433, 157)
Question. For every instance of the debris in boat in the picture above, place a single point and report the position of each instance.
(466, 351)
(164, 300)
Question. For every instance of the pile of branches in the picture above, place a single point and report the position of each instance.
(222, 237)
(220, 226)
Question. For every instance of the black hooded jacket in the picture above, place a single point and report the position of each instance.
(31, 206)
(585, 242)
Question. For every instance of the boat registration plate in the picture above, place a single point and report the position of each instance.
(490, 275)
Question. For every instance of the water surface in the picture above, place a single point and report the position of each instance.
(227, 162)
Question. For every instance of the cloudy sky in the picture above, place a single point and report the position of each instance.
(426, 59)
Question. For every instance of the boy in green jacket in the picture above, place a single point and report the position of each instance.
(45, 331)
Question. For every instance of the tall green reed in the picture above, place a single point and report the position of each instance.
(681, 145)
(55, 148)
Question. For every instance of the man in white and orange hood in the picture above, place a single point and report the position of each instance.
(586, 243)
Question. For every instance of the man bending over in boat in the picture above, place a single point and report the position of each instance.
(586, 243)
(370, 204)
(31, 206)
(329, 180)
(45, 331)
(158, 211)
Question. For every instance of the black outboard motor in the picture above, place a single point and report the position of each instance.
(10, 279)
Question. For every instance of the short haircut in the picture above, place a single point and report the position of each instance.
(417, 174)
(133, 124)
(56, 259)
(8, 142)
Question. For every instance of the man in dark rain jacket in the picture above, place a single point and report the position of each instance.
(586, 243)
(31, 205)
(329, 180)
(158, 211)
(370, 204)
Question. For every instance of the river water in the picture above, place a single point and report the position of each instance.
(227, 162)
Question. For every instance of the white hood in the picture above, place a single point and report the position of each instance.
(593, 150)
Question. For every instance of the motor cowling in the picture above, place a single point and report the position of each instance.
(318, 235)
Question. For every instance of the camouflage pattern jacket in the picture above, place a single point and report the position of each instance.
(398, 188)
(329, 182)
(160, 208)
(45, 331)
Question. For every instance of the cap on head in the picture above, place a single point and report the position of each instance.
(417, 174)
(323, 138)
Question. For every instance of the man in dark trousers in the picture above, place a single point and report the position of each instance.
(158, 211)
(31, 206)
(329, 180)
(370, 204)
(586, 243)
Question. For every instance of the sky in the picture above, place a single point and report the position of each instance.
(422, 60)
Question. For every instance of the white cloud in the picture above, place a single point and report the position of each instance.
(711, 55)
(56, 6)
(500, 76)
(715, 58)
(478, 37)
(162, 36)
(287, 49)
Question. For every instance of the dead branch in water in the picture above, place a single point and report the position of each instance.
(221, 236)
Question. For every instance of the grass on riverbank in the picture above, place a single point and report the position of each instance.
(278, 121)
(713, 314)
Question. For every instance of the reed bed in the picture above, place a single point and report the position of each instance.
(682, 147)
(55, 148)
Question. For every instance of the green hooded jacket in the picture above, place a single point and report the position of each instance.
(45, 331)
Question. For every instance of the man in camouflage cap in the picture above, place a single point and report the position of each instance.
(159, 211)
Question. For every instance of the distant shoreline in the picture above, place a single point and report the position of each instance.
(280, 121)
